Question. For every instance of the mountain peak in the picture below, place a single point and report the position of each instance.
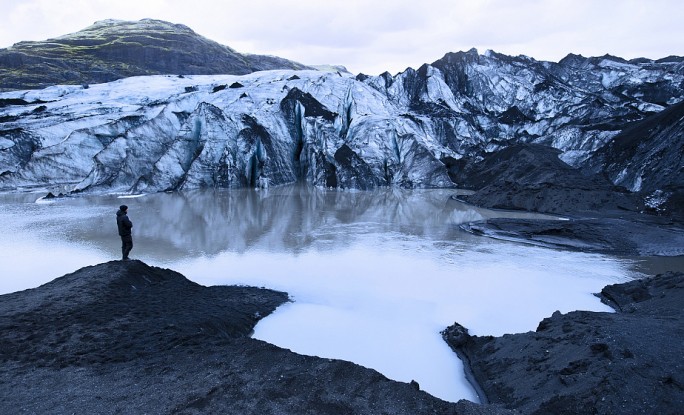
(114, 49)
(137, 25)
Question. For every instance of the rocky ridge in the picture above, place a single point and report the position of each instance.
(531, 177)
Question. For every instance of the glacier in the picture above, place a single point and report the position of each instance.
(147, 134)
(329, 129)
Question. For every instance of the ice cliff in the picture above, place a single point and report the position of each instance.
(413, 129)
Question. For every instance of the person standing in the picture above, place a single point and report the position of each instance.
(125, 225)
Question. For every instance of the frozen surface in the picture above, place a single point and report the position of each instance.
(374, 276)
(276, 127)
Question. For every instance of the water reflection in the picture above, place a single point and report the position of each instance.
(288, 219)
(283, 219)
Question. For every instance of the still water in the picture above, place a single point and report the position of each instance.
(373, 276)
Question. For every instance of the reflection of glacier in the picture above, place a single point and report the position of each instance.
(294, 218)
(291, 218)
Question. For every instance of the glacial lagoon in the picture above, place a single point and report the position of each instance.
(374, 276)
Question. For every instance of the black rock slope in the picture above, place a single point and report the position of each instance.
(648, 156)
(629, 362)
(127, 338)
(532, 177)
(114, 49)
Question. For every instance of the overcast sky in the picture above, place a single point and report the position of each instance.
(384, 35)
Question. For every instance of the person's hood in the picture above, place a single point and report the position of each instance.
(120, 213)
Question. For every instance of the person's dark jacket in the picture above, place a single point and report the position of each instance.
(123, 223)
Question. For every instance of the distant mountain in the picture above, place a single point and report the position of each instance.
(115, 49)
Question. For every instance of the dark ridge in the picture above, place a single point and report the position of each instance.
(671, 59)
(531, 177)
(657, 141)
(573, 60)
(640, 60)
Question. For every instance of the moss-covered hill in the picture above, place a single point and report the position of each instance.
(114, 49)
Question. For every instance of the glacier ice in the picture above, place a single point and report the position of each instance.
(329, 129)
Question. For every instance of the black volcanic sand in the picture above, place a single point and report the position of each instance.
(124, 337)
(629, 362)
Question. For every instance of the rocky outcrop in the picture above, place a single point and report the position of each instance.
(588, 362)
(647, 155)
(114, 49)
(124, 337)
